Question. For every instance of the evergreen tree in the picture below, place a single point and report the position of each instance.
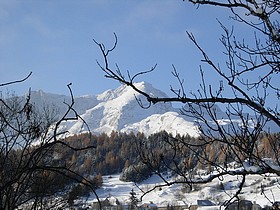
(133, 200)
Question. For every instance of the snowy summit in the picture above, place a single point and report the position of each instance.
(118, 110)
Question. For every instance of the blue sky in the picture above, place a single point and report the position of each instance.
(53, 39)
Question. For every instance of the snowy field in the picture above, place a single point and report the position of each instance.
(173, 195)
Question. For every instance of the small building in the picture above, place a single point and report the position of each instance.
(96, 205)
(204, 204)
(109, 203)
(256, 207)
(276, 205)
(148, 206)
(243, 205)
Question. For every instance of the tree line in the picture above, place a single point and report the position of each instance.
(134, 155)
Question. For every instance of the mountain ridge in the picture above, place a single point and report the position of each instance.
(118, 110)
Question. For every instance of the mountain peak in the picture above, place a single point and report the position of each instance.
(128, 93)
(118, 110)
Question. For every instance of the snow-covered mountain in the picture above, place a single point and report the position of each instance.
(118, 110)
(42, 100)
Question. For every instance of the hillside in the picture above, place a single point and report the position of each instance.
(115, 157)
(174, 195)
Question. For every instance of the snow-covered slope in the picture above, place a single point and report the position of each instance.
(43, 100)
(172, 122)
(174, 194)
(118, 110)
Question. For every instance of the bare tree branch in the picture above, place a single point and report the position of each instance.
(247, 80)
(16, 81)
